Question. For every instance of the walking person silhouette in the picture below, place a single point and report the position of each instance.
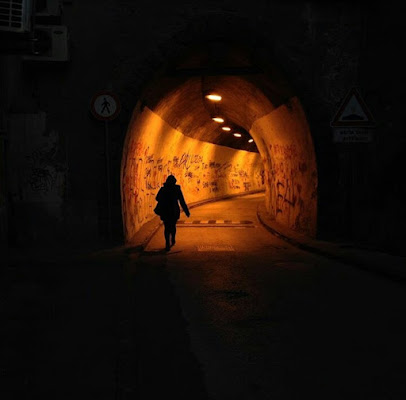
(106, 106)
(168, 198)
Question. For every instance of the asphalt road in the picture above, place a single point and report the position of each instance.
(231, 312)
(269, 321)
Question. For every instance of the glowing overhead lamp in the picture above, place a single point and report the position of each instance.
(226, 128)
(218, 119)
(237, 134)
(213, 97)
(250, 141)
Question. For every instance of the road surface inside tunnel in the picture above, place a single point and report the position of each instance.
(232, 312)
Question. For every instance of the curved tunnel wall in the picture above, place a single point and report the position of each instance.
(153, 150)
(285, 143)
(285, 166)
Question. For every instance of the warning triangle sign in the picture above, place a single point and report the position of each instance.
(353, 112)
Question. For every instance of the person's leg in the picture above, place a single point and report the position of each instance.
(167, 232)
(173, 233)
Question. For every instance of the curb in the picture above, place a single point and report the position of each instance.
(294, 242)
(398, 275)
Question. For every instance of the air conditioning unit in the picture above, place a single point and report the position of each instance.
(15, 15)
(48, 8)
(51, 44)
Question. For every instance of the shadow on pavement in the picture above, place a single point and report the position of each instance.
(165, 363)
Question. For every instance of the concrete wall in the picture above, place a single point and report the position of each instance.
(153, 150)
(286, 146)
(38, 184)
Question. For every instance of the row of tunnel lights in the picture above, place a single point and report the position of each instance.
(220, 120)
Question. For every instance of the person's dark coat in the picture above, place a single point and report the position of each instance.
(168, 198)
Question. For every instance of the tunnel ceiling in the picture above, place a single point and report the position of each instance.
(250, 89)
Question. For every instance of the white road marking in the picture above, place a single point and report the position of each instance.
(215, 248)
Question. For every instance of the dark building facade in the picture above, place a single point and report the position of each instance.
(56, 186)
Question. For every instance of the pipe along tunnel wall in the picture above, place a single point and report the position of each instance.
(285, 168)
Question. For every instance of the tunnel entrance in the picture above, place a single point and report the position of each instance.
(253, 137)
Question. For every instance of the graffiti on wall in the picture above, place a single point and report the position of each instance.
(44, 172)
(41, 177)
(285, 181)
(144, 173)
(37, 159)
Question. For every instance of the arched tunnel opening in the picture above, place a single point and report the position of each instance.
(253, 137)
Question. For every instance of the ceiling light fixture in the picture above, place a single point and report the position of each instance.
(237, 134)
(213, 97)
(250, 141)
(218, 119)
(226, 128)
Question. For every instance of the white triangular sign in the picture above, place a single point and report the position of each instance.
(353, 112)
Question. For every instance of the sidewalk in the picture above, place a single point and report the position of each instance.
(379, 262)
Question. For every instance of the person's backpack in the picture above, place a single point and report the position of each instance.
(158, 209)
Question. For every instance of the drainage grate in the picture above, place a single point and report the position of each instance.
(215, 248)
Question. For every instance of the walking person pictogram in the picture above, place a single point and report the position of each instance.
(105, 106)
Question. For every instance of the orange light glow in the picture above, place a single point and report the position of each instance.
(237, 134)
(218, 119)
(214, 97)
(226, 128)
